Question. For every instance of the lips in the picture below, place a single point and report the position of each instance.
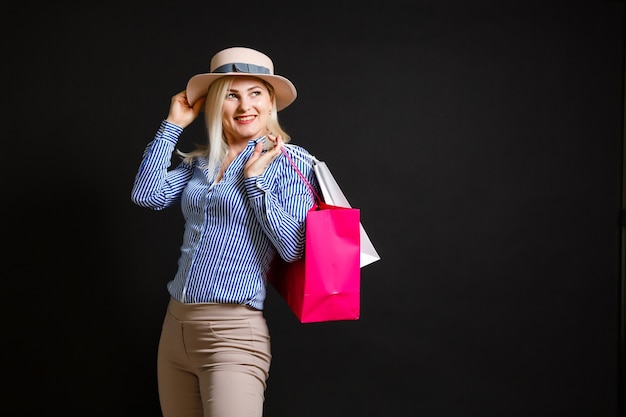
(245, 118)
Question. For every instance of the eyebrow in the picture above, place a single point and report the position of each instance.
(251, 88)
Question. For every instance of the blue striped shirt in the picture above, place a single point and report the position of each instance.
(233, 228)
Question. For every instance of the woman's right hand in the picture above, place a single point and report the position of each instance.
(181, 112)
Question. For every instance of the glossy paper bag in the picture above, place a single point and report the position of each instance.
(332, 194)
(325, 284)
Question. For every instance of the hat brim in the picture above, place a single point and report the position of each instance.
(285, 91)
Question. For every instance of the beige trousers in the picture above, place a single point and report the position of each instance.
(213, 361)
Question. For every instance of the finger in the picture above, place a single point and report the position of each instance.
(279, 143)
(275, 151)
(198, 104)
(258, 150)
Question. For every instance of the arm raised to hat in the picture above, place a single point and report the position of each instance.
(181, 113)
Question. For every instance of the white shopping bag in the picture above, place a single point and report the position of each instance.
(332, 194)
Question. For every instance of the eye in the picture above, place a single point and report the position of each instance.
(231, 96)
(256, 93)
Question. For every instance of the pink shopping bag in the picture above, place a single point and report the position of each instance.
(325, 284)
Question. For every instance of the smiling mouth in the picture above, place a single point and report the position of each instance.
(245, 118)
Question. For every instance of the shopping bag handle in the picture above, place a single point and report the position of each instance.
(299, 154)
(318, 200)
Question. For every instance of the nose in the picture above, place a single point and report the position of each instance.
(244, 104)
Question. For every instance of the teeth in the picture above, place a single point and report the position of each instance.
(245, 118)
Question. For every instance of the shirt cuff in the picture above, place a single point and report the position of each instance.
(169, 132)
(255, 186)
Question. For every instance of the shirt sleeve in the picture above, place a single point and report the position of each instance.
(156, 186)
(281, 199)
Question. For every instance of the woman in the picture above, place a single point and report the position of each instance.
(244, 204)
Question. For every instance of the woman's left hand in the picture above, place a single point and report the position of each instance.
(259, 160)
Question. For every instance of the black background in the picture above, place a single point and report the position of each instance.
(482, 143)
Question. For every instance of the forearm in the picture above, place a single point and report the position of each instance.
(155, 186)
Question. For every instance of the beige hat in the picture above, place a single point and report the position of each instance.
(242, 61)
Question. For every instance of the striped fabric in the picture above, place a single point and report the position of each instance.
(233, 228)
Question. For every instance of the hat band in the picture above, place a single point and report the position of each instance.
(241, 67)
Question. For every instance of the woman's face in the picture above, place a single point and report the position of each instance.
(246, 109)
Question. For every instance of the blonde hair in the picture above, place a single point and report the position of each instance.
(217, 147)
